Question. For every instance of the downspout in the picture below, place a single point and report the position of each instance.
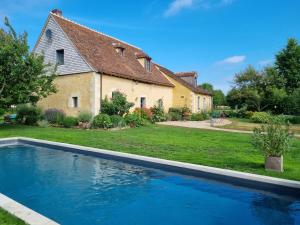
(100, 91)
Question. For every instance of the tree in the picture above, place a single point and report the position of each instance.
(218, 95)
(288, 65)
(249, 90)
(24, 78)
(207, 86)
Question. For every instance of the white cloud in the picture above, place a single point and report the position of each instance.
(177, 5)
(233, 59)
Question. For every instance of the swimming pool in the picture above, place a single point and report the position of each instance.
(80, 189)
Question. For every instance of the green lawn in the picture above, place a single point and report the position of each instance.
(212, 148)
(8, 219)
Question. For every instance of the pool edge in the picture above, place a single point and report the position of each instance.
(166, 164)
(24, 213)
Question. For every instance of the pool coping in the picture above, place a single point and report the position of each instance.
(24, 213)
(278, 185)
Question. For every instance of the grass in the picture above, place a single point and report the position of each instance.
(246, 124)
(205, 147)
(8, 219)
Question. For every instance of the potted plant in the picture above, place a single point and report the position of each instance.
(274, 139)
(186, 113)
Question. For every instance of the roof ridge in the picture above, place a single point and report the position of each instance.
(98, 32)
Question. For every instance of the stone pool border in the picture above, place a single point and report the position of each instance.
(22, 212)
(247, 180)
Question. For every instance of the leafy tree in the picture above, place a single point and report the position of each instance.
(207, 86)
(249, 90)
(218, 95)
(288, 65)
(118, 105)
(24, 78)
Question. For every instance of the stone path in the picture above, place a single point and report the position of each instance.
(206, 125)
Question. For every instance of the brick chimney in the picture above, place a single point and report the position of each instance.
(57, 12)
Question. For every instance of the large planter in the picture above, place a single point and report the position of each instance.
(273, 163)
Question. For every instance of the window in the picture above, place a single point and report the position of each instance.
(49, 34)
(204, 104)
(143, 102)
(198, 102)
(120, 51)
(147, 65)
(160, 103)
(60, 55)
(75, 102)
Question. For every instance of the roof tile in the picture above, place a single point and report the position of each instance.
(98, 50)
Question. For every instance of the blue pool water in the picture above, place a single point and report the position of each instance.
(75, 189)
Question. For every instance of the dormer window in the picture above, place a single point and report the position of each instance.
(120, 51)
(148, 65)
(119, 48)
(144, 60)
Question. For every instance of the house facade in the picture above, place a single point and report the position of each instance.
(92, 66)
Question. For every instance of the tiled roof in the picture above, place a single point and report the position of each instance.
(186, 74)
(197, 90)
(99, 51)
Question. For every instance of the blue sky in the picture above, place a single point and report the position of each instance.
(217, 38)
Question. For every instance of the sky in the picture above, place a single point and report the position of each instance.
(216, 38)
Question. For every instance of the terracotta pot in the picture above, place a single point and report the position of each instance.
(274, 163)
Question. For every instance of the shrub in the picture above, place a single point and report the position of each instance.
(273, 139)
(2, 112)
(70, 121)
(118, 105)
(135, 120)
(175, 114)
(158, 114)
(295, 120)
(85, 117)
(102, 121)
(231, 113)
(54, 116)
(28, 114)
(43, 123)
(145, 113)
(199, 116)
(248, 115)
(261, 117)
(117, 121)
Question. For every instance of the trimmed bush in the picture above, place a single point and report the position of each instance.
(295, 120)
(175, 114)
(134, 120)
(85, 117)
(261, 117)
(28, 114)
(70, 121)
(117, 121)
(199, 116)
(158, 114)
(54, 116)
(102, 121)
